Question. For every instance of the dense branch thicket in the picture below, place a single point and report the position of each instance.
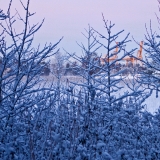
(71, 120)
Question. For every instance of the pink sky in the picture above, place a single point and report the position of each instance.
(68, 18)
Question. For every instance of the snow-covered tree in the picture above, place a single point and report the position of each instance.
(98, 105)
(23, 93)
(150, 76)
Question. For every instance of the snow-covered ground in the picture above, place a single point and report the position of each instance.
(152, 103)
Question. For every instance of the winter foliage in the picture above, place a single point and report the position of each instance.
(71, 120)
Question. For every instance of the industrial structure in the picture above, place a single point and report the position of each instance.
(127, 59)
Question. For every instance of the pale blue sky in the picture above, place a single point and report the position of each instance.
(68, 18)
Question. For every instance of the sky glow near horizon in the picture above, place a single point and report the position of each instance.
(68, 18)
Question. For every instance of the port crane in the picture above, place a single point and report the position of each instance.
(128, 59)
